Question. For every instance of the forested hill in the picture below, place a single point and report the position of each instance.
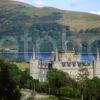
(12, 11)
(15, 17)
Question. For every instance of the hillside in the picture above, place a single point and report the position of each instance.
(76, 20)
(15, 17)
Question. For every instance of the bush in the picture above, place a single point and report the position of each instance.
(8, 87)
(43, 87)
(66, 91)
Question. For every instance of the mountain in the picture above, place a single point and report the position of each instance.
(76, 20)
(16, 17)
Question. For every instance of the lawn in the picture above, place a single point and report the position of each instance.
(22, 66)
(49, 98)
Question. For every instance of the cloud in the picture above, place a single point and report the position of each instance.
(95, 12)
(19, 0)
(39, 3)
(74, 3)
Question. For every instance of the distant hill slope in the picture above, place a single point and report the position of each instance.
(76, 20)
(16, 17)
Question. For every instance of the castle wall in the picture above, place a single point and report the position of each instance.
(97, 68)
(43, 68)
(34, 70)
(68, 62)
(73, 70)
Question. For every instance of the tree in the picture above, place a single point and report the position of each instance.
(82, 78)
(96, 85)
(8, 87)
(66, 91)
(42, 87)
(15, 72)
(26, 80)
(57, 79)
(92, 89)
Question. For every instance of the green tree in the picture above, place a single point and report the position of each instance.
(15, 72)
(82, 78)
(93, 89)
(66, 91)
(26, 80)
(57, 79)
(96, 86)
(8, 87)
(42, 87)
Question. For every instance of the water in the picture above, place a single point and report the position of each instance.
(84, 57)
(88, 57)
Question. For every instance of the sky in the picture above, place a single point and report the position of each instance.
(91, 6)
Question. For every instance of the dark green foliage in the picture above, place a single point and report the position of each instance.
(61, 85)
(67, 91)
(42, 87)
(57, 78)
(15, 73)
(8, 87)
(26, 80)
(92, 89)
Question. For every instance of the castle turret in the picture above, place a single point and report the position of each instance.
(34, 56)
(97, 65)
(52, 56)
(57, 56)
(57, 63)
(34, 67)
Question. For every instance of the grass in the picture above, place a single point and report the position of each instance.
(22, 66)
(49, 98)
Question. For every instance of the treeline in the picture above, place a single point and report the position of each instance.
(45, 31)
(53, 17)
(92, 30)
(16, 34)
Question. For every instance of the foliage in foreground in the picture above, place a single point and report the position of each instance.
(9, 90)
(59, 84)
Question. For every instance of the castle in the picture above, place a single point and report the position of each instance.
(67, 62)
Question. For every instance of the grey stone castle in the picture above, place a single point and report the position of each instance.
(67, 62)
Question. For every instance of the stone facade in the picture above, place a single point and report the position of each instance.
(68, 62)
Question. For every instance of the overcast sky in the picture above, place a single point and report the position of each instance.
(92, 6)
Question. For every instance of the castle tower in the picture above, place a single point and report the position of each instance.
(57, 63)
(97, 65)
(57, 56)
(34, 56)
(34, 70)
(52, 56)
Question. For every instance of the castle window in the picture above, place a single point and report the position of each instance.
(69, 64)
(74, 64)
(49, 66)
(63, 64)
(43, 71)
